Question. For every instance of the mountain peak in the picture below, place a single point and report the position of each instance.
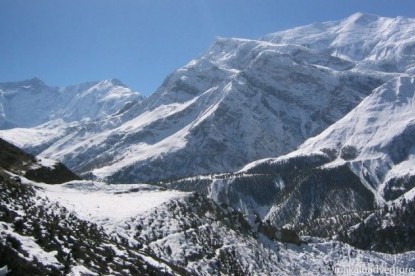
(117, 82)
(35, 83)
(362, 18)
(36, 80)
(32, 102)
(32, 83)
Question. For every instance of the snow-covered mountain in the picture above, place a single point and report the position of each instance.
(332, 106)
(241, 101)
(218, 113)
(377, 138)
(360, 165)
(375, 141)
(31, 103)
(378, 43)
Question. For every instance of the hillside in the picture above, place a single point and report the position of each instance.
(16, 163)
(92, 228)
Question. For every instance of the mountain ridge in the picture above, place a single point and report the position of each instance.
(31, 102)
(241, 101)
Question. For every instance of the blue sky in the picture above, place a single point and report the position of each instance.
(142, 41)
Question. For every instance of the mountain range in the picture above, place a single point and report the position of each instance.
(241, 101)
(308, 130)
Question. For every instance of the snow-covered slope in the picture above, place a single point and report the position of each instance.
(57, 230)
(31, 103)
(361, 163)
(265, 105)
(377, 138)
(380, 43)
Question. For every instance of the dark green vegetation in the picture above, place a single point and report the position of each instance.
(18, 162)
(294, 183)
(389, 229)
(316, 201)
